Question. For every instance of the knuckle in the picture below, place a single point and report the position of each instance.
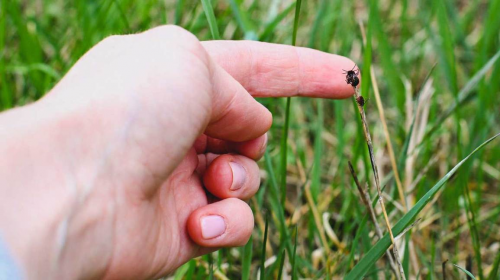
(113, 40)
(168, 30)
(172, 35)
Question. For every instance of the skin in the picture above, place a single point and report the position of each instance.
(107, 175)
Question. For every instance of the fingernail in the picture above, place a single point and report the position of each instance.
(239, 175)
(212, 226)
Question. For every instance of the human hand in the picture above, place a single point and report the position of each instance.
(111, 178)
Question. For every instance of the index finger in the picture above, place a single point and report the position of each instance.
(272, 70)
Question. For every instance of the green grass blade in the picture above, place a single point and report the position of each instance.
(296, 21)
(6, 98)
(122, 16)
(212, 21)
(247, 259)
(471, 221)
(494, 271)
(446, 47)
(210, 267)
(284, 151)
(282, 264)
(29, 45)
(367, 53)
(274, 201)
(464, 271)
(385, 50)
(243, 20)
(284, 139)
(294, 270)
(181, 271)
(383, 244)
(465, 93)
(355, 241)
(263, 255)
(192, 269)
(271, 26)
(179, 8)
(318, 152)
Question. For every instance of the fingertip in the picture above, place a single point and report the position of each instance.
(326, 77)
(218, 176)
(232, 176)
(253, 149)
(226, 223)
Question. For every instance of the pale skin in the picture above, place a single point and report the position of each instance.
(107, 175)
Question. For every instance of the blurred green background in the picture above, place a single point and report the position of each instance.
(437, 70)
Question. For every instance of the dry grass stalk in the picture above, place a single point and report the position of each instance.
(360, 102)
(388, 140)
(317, 220)
(422, 173)
(408, 228)
(421, 118)
(365, 197)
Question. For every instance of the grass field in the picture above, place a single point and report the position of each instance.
(434, 65)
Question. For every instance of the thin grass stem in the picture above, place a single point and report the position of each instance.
(365, 197)
(368, 138)
(388, 139)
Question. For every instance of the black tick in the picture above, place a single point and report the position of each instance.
(351, 76)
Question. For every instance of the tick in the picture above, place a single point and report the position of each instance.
(351, 76)
(361, 101)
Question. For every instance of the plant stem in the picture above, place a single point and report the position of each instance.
(365, 197)
(377, 180)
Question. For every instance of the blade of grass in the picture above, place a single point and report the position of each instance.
(390, 69)
(282, 263)
(284, 139)
(6, 98)
(298, 3)
(494, 271)
(122, 16)
(284, 152)
(243, 21)
(191, 270)
(212, 21)
(471, 221)
(181, 271)
(465, 94)
(365, 198)
(263, 255)
(274, 201)
(464, 271)
(179, 7)
(271, 26)
(392, 157)
(382, 245)
(246, 265)
(360, 104)
(210, 267)
(294, 270)
(318, 152)
(29, 46)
